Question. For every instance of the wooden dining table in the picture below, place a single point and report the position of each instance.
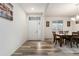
(63, 36)
(68, 37)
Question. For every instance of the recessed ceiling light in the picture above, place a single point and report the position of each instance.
(76, 3)
(77, 17)
(32, 8)
(73, 19)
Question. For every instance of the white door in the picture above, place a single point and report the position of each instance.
(34, 29)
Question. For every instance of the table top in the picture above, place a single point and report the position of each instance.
(62, 35)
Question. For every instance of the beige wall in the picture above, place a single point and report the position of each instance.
(75, 26)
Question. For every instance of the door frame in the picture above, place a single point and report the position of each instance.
(40, 24)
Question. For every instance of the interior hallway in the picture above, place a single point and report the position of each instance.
(44, 48)
(37, 21)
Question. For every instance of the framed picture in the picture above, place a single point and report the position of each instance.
(47, 23)
(68, 23)
(6, 11)
(77, 22)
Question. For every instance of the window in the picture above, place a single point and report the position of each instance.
(34, 18)
(57, 25)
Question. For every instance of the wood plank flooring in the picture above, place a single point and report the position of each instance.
(45, 48)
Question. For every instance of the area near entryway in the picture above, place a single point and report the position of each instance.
(47, 28)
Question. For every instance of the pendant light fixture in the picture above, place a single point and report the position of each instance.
(73, 19)
(77, 11)
(76, 17)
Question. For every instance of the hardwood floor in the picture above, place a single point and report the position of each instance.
(44, 48)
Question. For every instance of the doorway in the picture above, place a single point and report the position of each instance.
(34, 28)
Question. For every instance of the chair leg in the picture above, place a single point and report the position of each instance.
(77, 44)
(55, 42)
(60, 42)
(71, 44)
(66, 41)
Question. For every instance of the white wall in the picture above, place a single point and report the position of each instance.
(76, 27)
(48, 30)
(13, 33)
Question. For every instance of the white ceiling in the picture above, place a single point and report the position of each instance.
(51, 9)
(38, 7)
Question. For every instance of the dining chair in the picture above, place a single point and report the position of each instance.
(54, 34)
(66, 32)
(66, 39)
(61, 32)
(75, 38)
(57, 39)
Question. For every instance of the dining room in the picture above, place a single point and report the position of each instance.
(62, 19)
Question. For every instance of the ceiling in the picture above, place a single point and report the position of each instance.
(51, 9)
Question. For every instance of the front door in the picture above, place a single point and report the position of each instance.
(34, 28)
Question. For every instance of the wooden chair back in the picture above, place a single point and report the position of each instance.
(74, 33)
